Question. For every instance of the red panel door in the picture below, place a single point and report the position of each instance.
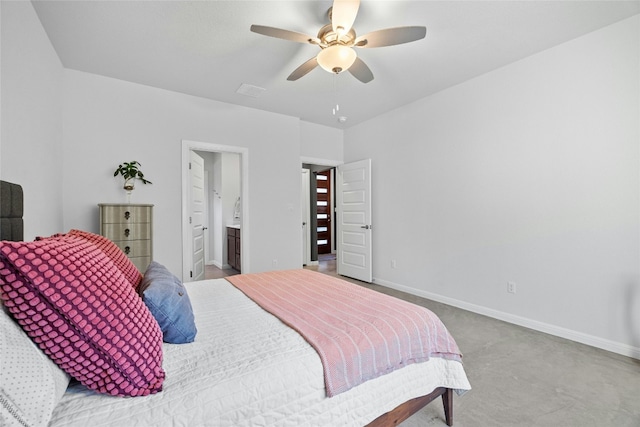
(324, 211)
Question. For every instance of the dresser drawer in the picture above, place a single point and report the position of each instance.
(130, 227)
(135, 231)
(135, 248)
(125, 214)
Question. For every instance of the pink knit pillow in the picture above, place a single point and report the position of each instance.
(82, 312)
(111, 250)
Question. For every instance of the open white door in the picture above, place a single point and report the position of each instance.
(306, 217)
(353, 189)
(196, 215)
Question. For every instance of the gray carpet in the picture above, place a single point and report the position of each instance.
(521, 377)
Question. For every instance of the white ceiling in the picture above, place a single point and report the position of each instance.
(205, 48)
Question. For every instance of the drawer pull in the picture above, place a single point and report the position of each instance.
(127, 214)
(127, 249)
(127, 232)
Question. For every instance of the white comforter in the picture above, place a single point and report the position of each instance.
(246, 368)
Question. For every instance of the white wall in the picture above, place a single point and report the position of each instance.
(528, 174)
(217, 225)
(319, 142)
(230, 193)
(107, 121)
(230, 186)
(31, 125)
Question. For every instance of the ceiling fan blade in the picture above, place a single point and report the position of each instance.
(361, 71)
(303, 69)
(282, 34)
(343, 15)
(391, 36)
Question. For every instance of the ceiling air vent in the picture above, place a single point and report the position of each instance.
(250, 90)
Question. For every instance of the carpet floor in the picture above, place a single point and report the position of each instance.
(521, 377)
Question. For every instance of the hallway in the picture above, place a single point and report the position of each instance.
(326, 264)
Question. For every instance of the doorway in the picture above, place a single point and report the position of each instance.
(324, 212)
(310, 199)
(351, 218)
(222, 164)
(222, 185)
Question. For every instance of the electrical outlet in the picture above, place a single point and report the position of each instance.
(393, 263)
(274, 263)
(511, 287)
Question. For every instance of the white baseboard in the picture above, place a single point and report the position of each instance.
(613, 346)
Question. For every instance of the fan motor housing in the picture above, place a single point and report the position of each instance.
(328, 37)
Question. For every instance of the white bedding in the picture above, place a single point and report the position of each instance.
(246, 368)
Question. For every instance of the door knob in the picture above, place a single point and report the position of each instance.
(366, 227)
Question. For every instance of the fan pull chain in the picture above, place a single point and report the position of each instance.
(335, 92)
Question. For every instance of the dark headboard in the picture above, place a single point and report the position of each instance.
(11, 203)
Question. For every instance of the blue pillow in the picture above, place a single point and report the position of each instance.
(167, 299)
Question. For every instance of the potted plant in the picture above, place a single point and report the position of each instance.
(130, 171)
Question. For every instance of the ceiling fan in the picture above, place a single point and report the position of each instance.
(338, 40)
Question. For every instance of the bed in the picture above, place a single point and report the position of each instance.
(245, 366)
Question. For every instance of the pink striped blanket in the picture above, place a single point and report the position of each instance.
(358, 333)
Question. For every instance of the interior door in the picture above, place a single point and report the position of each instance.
(324, 212)
(353, 196)
(196, 215)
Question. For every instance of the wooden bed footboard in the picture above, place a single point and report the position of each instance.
(404, 411)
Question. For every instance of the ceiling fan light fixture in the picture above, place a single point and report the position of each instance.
(336, 58)
(338, 41)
